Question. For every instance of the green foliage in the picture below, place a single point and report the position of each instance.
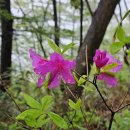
(6, 14)
(65, 48)
(75, 3)
(53, 45)
(116, 47)
(82, 80)
(120, 34)
(32, 102)
(58, 120)
(75, 106)
(47, 103)
(122, 40)
(109, 66)
(36, 116)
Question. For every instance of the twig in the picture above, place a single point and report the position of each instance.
(89, 8)
(123, 107)
(124, 98)
(94, 83)
(24, 126)
(13, 100)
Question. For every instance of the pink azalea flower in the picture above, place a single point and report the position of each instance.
(59, 68)
(101, 60)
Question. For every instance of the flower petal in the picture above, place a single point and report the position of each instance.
(100, 58)
(68, 77)
(40, 81)
(37, 60)
(118, 68)
(69, 64)
(54, 81)
(56, 57)
(110, 80)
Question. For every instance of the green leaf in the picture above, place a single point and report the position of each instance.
(65, 48)
(47, 103)
(120, 34)
(127, 39)
(75, 106)
(109, 66)
(78, 104)
(53, 45)
(42, 121)
(31, 122)
(34, 113)
(115, 47)
(89, 89)
(81, 80)
(58, 120)
(75, 77)
(32, 102)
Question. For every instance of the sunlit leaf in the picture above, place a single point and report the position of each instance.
(116, 47)
(53, 45)
(82, 80)
(34, 113)
(120, 34)
(32, 102)
(47, 103)
(42, 121)
(75, 106)
(109, 67)
(58, 120)
(66, 47)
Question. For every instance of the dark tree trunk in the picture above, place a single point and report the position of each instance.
(6, 46)
(81, 21)
(56, 33)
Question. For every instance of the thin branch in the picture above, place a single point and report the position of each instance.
(13, 100)
(123, 107)
(124, 98)
(81, 21)
(120, 11)
(89, 8)
(117, 18)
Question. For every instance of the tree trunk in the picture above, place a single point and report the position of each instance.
(56, 33)
(6, 46)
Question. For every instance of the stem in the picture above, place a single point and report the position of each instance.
(102, 98)
(111, 120)
(123, 107)
(80, 107)
(13, 100)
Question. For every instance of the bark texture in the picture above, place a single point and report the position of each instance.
(56, 33)
(7, 33)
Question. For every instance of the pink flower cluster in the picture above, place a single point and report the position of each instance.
(59, 68)
(101, 60)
